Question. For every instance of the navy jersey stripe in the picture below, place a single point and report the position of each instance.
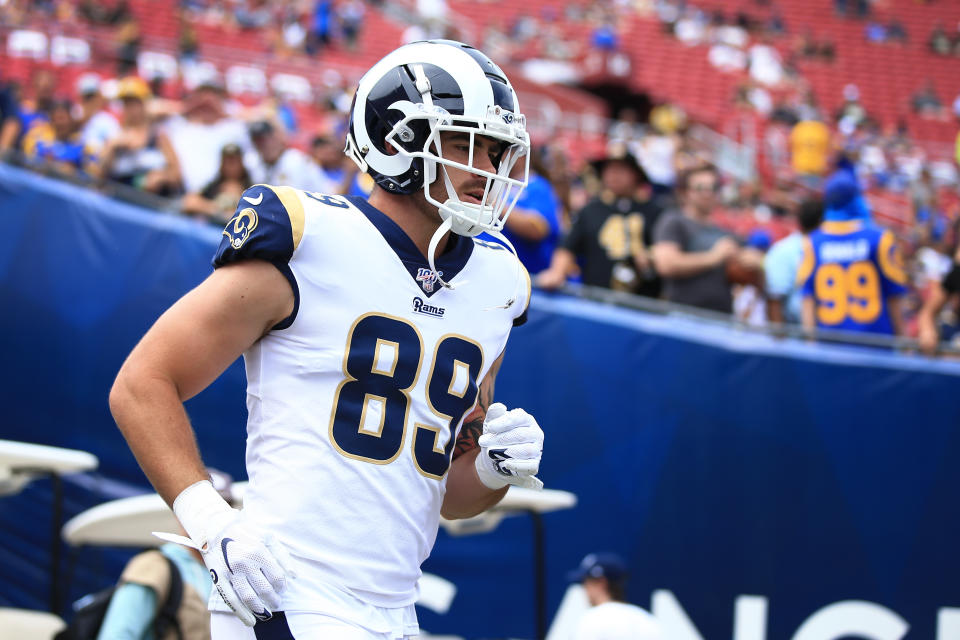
(276, 628)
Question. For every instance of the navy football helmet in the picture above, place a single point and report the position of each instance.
(417, 92)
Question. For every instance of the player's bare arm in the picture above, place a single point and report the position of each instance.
(473, 424)
(466, 496)
(188, 347)
(495, 448)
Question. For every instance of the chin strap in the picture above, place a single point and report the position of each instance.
(446, 226)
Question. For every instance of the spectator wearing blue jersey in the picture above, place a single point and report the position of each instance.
(852, 273)
(36, 103)
(534, 225)
(57, 144)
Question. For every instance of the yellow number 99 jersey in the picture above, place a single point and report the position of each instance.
(851, 269)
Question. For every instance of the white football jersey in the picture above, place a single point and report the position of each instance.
(355, 400)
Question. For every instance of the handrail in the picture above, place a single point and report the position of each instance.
(664, 307)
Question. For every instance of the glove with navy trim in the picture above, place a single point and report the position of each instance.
(249, 570)
(510, 449)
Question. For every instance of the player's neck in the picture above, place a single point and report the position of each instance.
(419, 222)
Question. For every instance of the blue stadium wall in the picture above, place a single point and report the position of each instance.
(719, 463)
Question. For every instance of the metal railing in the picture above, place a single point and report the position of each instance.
(665, 308)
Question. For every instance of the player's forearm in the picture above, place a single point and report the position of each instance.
(151, 417)
(466, 496)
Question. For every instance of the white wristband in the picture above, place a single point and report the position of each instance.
(198, 508)
(487, 474)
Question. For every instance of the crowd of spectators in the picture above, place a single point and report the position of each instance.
(647, 218)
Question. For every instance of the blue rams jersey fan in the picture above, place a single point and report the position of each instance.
(851, 268)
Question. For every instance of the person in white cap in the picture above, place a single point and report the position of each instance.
(97, 124)
(604, 578)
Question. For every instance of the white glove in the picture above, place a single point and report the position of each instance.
(510, 449)
(248, 569)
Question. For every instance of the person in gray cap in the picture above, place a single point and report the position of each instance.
(604, 578)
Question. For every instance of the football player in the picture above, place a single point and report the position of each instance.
(851, 274)
(369, 330)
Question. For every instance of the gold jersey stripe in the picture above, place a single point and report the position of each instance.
(291, 202)
(890, 259)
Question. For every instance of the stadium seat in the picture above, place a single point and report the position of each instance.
(246, 80)
(67, 50)
(27, 44)
(153, 64)
(292, 87)
(26, 623)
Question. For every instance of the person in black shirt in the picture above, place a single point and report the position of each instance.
(940, 294)
(611, 235)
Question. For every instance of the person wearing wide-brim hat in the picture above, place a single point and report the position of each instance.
(609, 238)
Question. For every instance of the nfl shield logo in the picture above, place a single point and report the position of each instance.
(427, 278)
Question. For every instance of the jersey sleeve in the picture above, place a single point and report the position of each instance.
(890, 261)
(268, 225)
(807, 268)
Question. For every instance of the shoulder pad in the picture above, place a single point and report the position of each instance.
(268, 224)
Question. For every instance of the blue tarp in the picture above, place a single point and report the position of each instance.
(719, 463)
